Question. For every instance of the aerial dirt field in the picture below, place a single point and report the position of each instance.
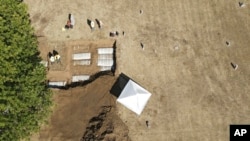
(185, 63)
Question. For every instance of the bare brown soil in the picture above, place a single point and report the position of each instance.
(185, 64)
(84, 113)
(65, 69)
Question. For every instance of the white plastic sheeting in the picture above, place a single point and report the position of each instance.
(81, 56)
(105, 62)
(105, 68)
(134, 97)
(58, 83)
(82, 62)
(105, 58)
(77, 78)
(105, 50)
(45, 63)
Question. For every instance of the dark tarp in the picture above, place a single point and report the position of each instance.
(119, 85)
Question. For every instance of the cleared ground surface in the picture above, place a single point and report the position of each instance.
(79, 111)
(66, 68)
(185, 63)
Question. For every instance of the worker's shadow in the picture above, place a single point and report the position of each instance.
(89, 23)
(55, 52)
(50, 54)
(98, 23)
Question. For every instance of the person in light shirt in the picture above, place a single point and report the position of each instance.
(57, 58)
(52, 59)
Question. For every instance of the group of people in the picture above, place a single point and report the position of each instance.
(71, 22)
(54, 57)
(92, 24)
(113, 34)
(116, 33)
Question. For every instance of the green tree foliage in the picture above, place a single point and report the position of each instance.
(24, 97)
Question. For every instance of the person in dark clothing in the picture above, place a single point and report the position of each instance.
(69, 25)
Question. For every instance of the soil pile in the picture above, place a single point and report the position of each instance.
(85, 113)
(105, 127)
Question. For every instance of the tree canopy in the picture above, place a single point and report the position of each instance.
(24, 97)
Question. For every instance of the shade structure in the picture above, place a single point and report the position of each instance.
(134, 97)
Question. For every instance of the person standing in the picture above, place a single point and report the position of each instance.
(57, 58)
(52, 59)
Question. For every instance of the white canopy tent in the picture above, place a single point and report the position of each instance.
(134, 97)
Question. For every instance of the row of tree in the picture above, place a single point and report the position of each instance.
(24, 98)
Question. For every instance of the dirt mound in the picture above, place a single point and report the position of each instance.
(103, 127)
(81, 113)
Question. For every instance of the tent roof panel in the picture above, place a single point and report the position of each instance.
(134, 97)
